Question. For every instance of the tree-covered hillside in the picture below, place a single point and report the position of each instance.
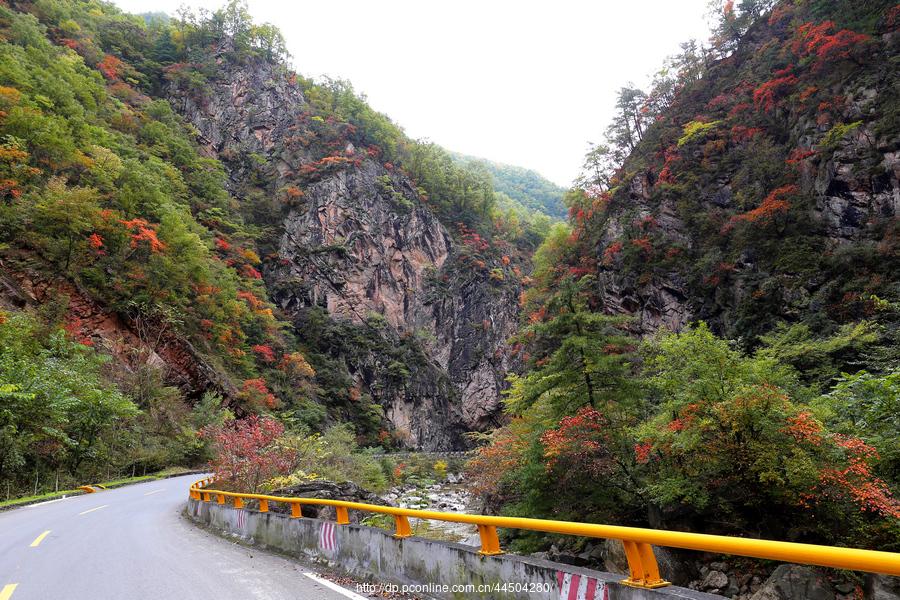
(133, 244)
(713, 335)
(521, 185)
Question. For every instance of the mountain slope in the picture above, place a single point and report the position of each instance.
(160, 237)
(713, 335)
(356, 242)
(766, 190)
(524, 186)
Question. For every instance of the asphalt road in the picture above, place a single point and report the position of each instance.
(133, 543)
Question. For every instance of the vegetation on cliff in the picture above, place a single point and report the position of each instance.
(743, 202)
(108, 200)
(521, 186)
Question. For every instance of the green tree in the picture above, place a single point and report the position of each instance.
(67, 215)
(57, 406)
(580, 357)
(868, 406)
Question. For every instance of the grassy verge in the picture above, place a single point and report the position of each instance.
(115, 483)
(40, 497)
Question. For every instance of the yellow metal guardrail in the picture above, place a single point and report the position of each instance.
(638, 542)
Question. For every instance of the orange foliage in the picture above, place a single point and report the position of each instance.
(798, 155)
(264, 352)
(812, 39)
(644, 244)
(857, 481)
(504, 454)
(96, 241)
(765, 213)
(804, 427)
(766, 96)
(256, 394)
(142, 231)
(580, 443)
(111, 67)
(665, 175)
(611, 252)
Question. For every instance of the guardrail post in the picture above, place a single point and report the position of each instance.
(238, 502)
(343, 517)
(220, 499)
(206, 496)
(642, 567)
(401, 524)
(490, 543)
(263, 505)
(295, 510)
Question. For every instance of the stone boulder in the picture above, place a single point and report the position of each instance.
(882, 587)
(795, 582)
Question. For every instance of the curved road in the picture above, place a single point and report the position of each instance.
(133, 543)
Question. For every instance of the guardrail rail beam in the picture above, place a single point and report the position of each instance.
(638, 542)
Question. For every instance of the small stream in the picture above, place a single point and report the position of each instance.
(450, 495)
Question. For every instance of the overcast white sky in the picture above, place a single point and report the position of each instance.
(521, 82)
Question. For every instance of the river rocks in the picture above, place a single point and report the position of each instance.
(882, 587)
(444, 496)
(792, 582)
(714, 582)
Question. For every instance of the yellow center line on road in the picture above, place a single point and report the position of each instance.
(86, 512)
(155, 492)
(40, 539)
(7, 591)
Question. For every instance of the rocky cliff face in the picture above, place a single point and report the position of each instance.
(355, 240)
(692, 213)
(134, 344)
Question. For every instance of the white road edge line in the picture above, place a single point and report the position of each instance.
(155, 492)
(92, 510)
(335, 587)
(47, 502)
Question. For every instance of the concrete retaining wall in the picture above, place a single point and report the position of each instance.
(372, 554)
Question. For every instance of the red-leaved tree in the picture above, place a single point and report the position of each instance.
(248, 452)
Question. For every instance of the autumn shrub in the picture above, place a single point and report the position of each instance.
(335, 456)
(736, 442)
(249, 451)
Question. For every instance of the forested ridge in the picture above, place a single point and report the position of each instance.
(521, 186)
(707, 343)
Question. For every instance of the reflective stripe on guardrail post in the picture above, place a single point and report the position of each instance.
(643, 572)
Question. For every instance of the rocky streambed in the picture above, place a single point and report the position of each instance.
(449, 495)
